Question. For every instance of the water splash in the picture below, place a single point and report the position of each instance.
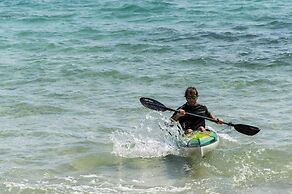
(227, 137)
(152, 138)
(146, 140)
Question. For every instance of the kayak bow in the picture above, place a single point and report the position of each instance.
(198, 143)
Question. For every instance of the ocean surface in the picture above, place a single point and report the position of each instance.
(72, 73)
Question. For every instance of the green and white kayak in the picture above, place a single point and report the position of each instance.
(198, 143)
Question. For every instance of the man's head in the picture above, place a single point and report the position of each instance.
(191, 95)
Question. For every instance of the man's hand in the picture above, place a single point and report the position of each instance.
(181, 113)
(219, 120)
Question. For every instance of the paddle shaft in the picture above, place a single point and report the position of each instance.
(195, 115)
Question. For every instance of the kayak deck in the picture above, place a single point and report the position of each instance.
(198, 143)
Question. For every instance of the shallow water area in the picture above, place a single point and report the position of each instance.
(72, 73)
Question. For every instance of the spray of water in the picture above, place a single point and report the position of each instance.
(147, 140)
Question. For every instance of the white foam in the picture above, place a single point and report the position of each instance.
(147, 140)
(227, 137)
(223, 135)
(131, 146)
(93, 186)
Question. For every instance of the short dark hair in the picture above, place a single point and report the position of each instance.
(191, 88)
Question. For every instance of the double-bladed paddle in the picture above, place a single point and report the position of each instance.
(155, 105)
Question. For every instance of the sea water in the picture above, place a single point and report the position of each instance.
(72, 73)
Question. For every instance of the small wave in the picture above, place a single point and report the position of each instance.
(248, 83)
(133, 46)
(28, 109)
(123, 8)
(277, 25)
(132, 8)
(240, 27)
(206, 61)
(129, 9)
(90, 183)
(227, 36)
(46, 18)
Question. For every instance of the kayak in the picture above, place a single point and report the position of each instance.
(198, 143)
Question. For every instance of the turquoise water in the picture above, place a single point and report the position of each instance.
(72, 73)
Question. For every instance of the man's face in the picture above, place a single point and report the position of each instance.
(192, 97)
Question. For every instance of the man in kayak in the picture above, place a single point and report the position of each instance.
(191, 123)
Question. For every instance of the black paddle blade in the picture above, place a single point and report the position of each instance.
(246, 129)
(153, 104)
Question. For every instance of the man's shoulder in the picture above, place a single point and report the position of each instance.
(184, 106)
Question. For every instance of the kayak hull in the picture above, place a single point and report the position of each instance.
(198, 143)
